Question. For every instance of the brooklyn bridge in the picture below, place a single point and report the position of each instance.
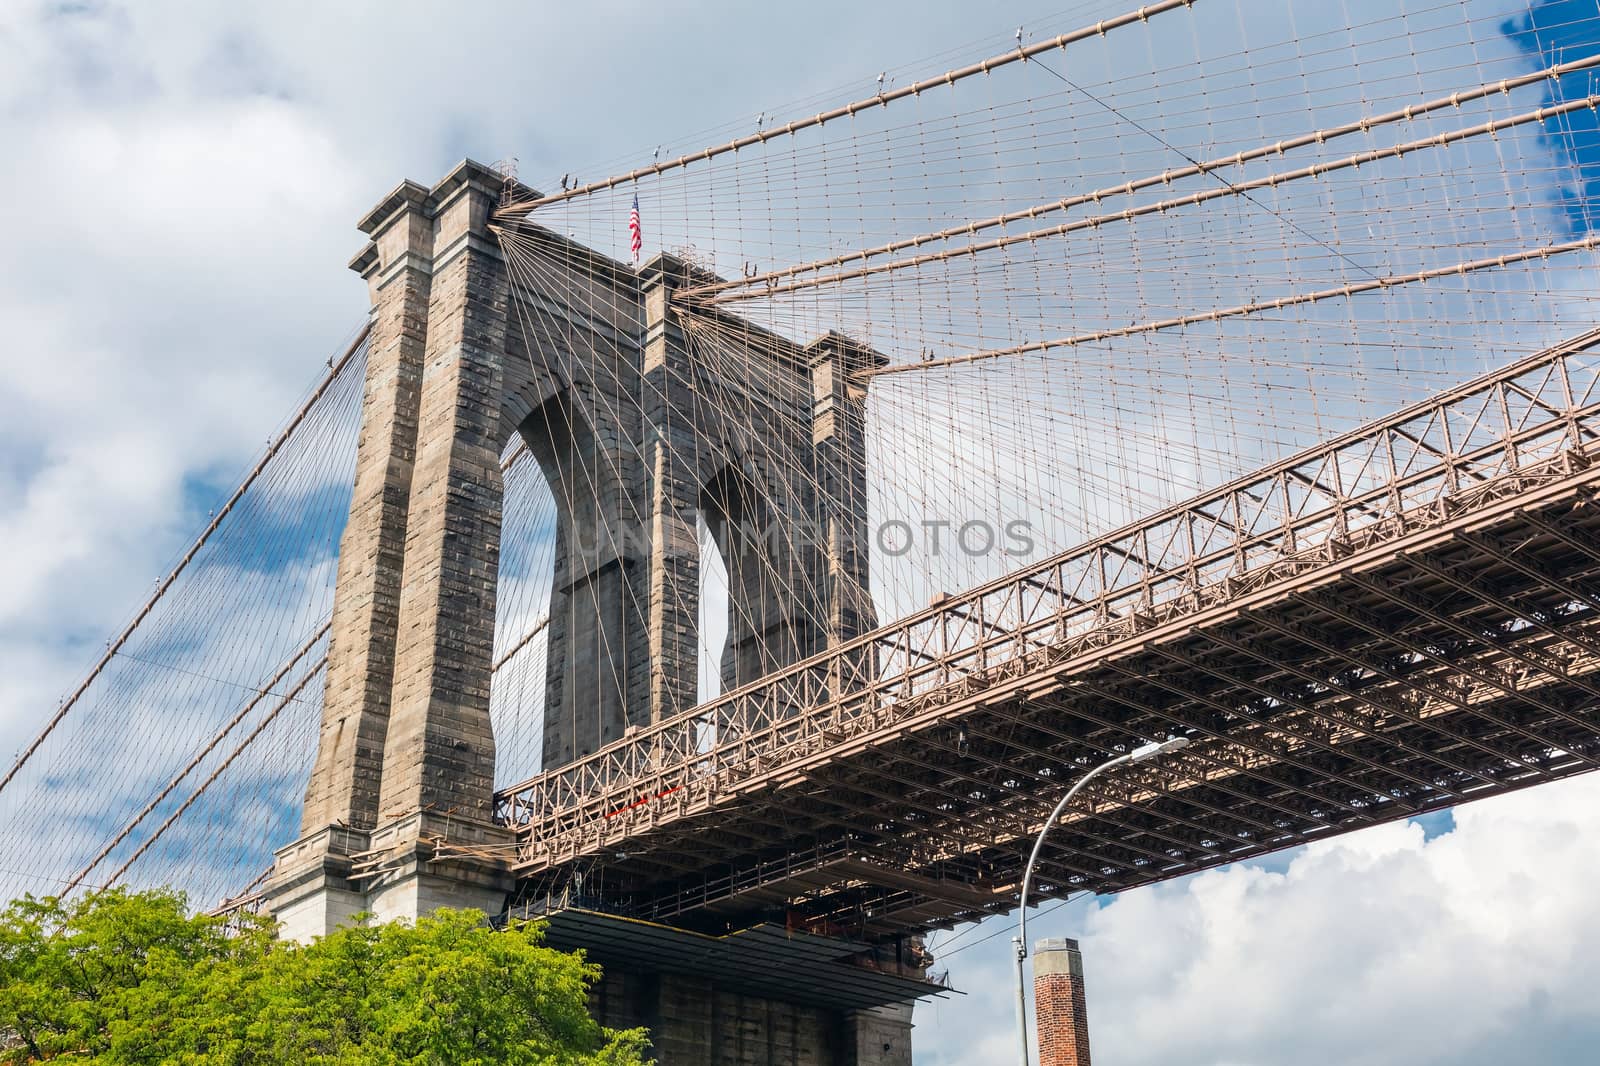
(740, 599)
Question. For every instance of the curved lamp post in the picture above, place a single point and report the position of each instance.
(1143, 753)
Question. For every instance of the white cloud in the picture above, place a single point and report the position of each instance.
(179, 201)
(1381, 948)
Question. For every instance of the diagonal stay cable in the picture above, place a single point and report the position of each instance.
(216, 522)
(292, 696)
(1316, 170)
(1542, 252)
(262, 693)
(521, 208)
(765, 283)
(1195, 163)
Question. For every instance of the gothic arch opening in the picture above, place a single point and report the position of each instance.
(595, 604)
(771, 597)
(522, 617)
(712, 628)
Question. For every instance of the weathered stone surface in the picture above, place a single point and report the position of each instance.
(439, 751)
(310, 891)
(398, 265)
(644, 423)
(695, 1022)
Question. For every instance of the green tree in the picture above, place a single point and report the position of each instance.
(131, 979)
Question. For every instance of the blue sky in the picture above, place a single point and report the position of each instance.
(177, 232)
(1559, 31)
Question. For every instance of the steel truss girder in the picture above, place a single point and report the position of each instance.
(1316, 712)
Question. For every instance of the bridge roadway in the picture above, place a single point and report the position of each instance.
(1397, 621)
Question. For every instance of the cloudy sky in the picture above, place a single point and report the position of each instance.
(179, 203)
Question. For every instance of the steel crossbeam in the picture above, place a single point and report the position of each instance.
(1383, 625)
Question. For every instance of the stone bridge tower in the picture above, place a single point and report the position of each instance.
(601, 387)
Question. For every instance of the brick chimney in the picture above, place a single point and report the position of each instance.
(1058, 1003)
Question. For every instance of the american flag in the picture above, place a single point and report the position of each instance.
(635, 234)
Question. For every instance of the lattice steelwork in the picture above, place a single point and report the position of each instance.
(1386, 625)
(1071, 284)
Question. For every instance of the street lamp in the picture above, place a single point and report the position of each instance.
(1143, 753)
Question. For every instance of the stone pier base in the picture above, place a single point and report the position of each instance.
(697, 1021)
(763, 996)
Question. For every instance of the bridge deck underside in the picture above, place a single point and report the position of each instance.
(1462, 664)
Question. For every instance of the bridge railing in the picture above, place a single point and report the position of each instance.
(1317, 505)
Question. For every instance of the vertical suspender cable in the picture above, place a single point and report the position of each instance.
(216, 521)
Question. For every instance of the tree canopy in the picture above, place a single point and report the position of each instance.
(126, 978)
